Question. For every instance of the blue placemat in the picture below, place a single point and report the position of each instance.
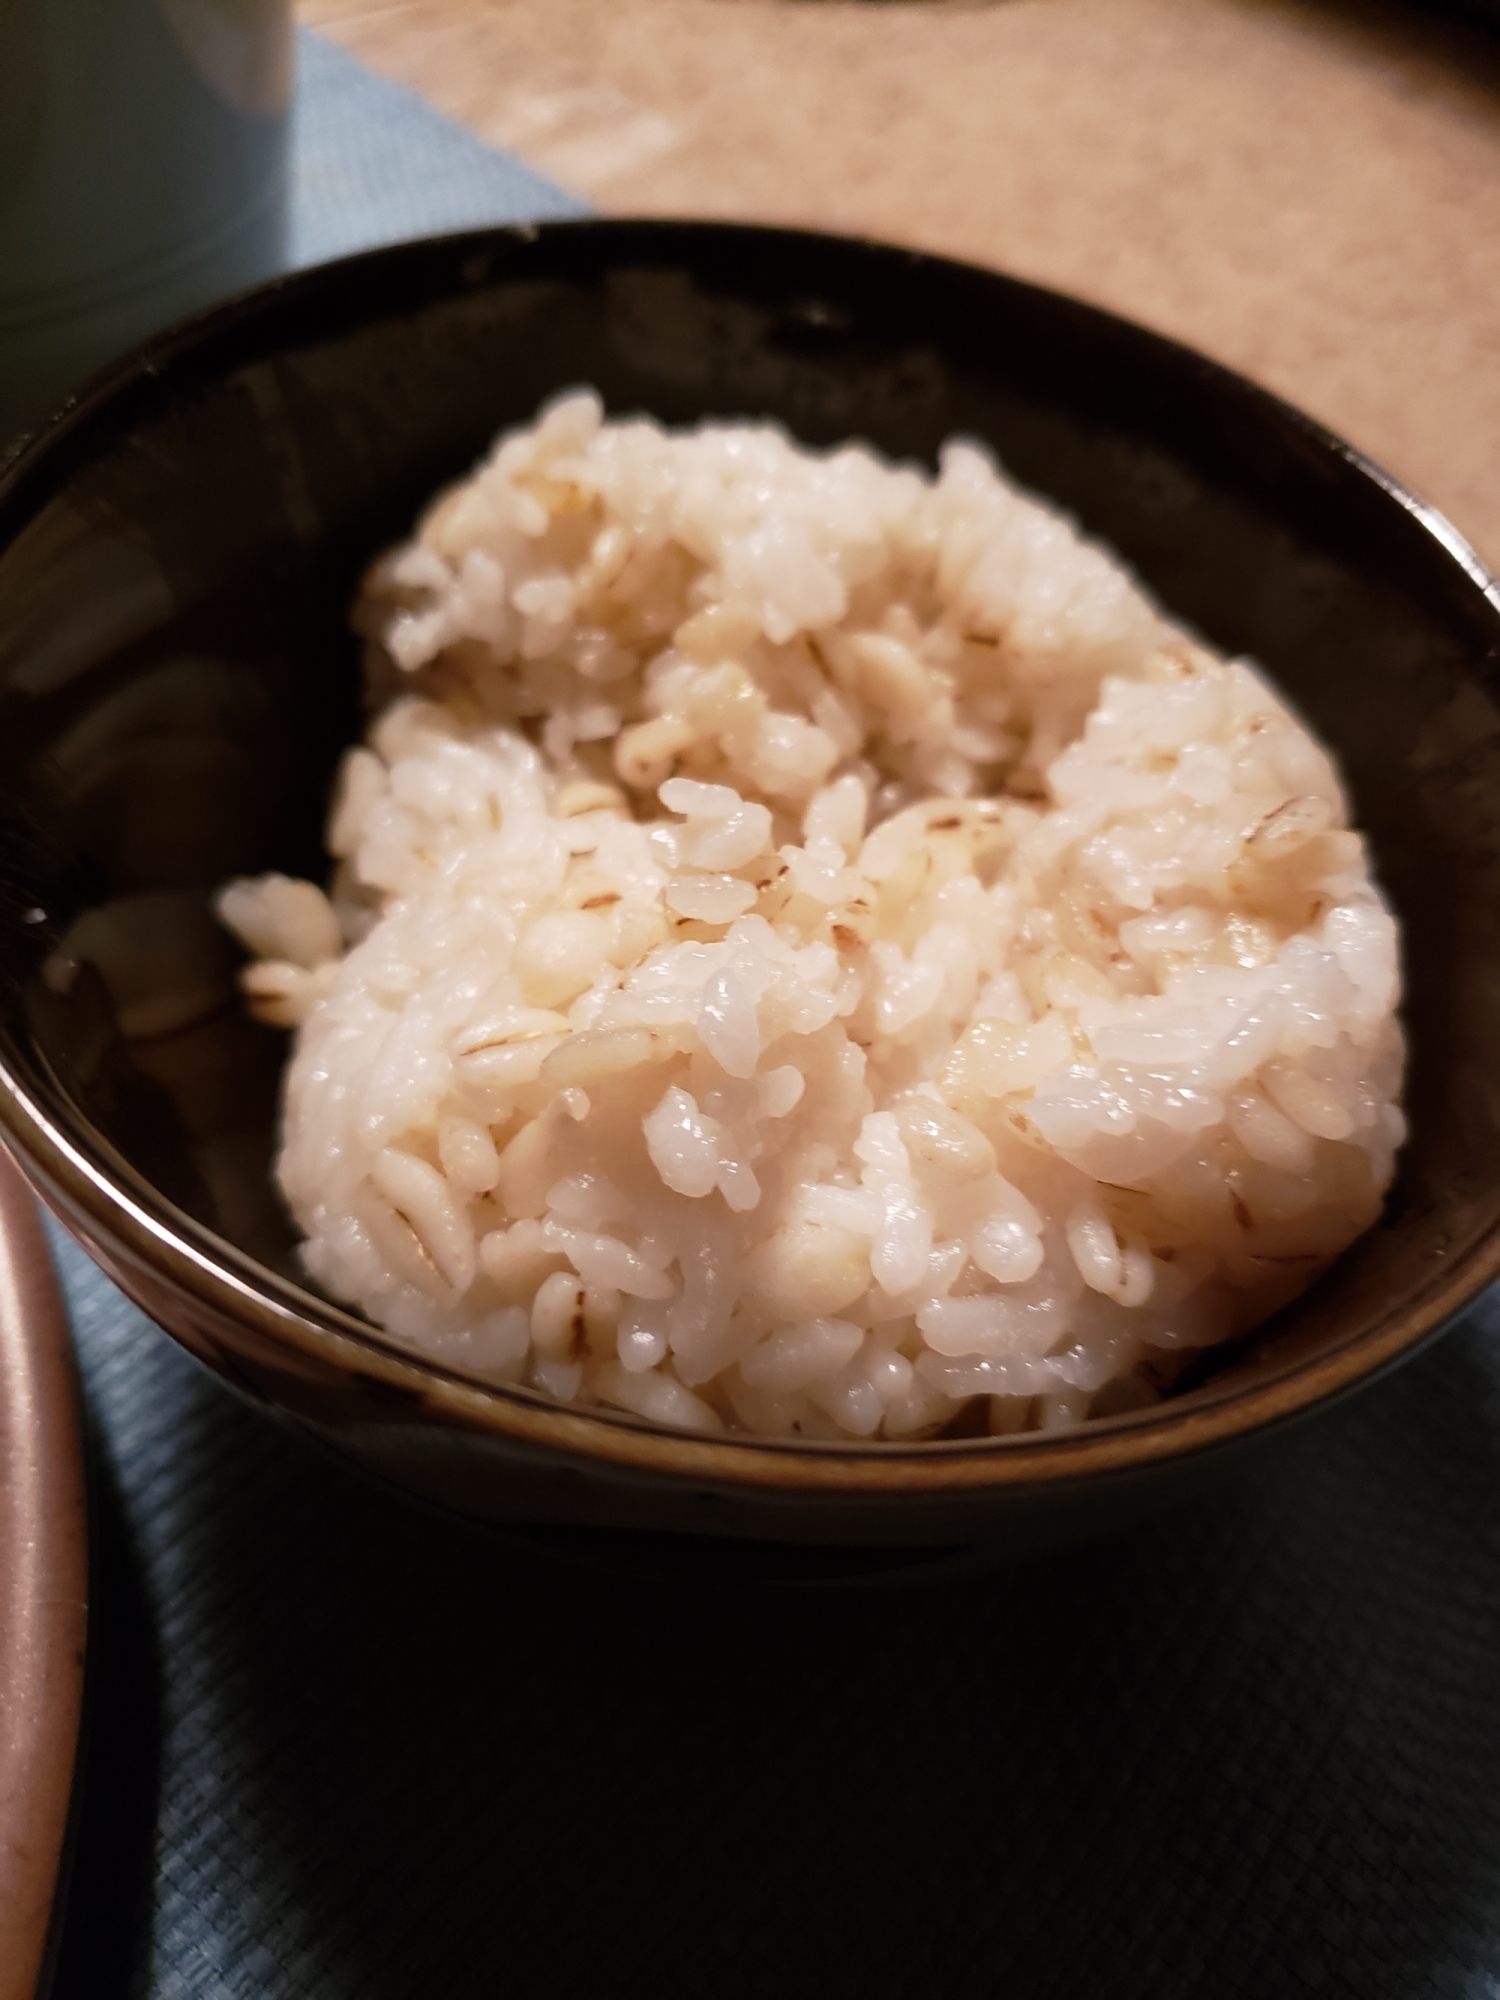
(339, 1748)
(372, 163)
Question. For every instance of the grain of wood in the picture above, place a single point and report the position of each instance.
(1309, 192)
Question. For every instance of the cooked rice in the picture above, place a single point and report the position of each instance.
(812, 946)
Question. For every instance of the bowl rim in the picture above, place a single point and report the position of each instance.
(108, 1204)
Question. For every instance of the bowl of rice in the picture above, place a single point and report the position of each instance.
(718, 882)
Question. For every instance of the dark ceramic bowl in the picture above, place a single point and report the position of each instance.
(178, 553)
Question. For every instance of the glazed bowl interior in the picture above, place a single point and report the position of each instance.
(177, 678)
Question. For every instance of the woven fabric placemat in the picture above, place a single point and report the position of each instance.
(373, 163)
(341, 1748)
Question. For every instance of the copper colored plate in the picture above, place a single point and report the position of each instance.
(43, 1587)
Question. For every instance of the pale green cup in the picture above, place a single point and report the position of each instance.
(143, 173)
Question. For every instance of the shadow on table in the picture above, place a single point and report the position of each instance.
(1455, 34)
(1251, 1750)
(109, 1884)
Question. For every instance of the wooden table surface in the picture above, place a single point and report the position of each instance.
(1310, 192)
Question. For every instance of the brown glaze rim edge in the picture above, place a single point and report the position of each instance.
(132, 1219)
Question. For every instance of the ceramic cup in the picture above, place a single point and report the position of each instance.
(143, 173)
